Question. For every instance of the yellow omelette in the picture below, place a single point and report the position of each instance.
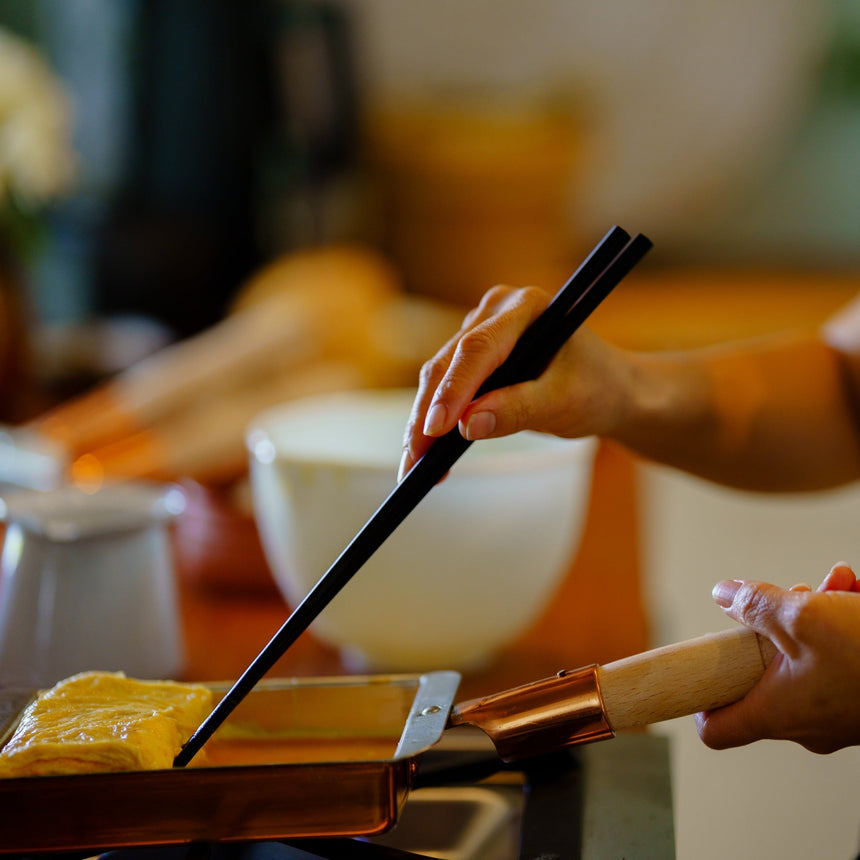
(104, 721)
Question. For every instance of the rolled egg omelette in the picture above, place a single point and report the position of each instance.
(97, 722)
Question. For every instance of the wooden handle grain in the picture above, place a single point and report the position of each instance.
(684, 678)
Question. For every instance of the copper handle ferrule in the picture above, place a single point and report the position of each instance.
(540, 717)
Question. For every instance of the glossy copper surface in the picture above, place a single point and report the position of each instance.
(540, 717)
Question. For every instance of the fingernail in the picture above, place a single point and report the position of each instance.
(724, 592)
(480, 425)
(435, 420)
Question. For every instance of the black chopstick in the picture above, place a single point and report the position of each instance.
(536, 335)
(569, 309)
(613, 257)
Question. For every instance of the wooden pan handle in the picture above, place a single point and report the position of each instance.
(684, 678)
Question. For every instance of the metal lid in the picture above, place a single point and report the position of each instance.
(69, 513)
(28, 459)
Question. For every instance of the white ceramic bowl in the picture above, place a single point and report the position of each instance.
(470, 568)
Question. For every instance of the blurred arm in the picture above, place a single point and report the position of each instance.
(774, 414)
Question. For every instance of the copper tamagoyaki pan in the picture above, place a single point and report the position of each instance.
(319, 757)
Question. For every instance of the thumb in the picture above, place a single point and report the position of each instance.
(732, 726)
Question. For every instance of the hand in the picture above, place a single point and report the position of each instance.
(810, 693)
(578, 394)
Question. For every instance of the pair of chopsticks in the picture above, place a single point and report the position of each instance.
(610, 261)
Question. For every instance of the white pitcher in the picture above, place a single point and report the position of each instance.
(87, 582)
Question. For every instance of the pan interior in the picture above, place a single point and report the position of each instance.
(358, 720)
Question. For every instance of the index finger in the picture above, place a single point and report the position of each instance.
(479, 350)
(449, 381)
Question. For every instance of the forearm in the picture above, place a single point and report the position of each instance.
(776, 415)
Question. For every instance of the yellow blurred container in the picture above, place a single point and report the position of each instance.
(476, 193)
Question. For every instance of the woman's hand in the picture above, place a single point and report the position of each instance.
(578, 394)
(810, 693)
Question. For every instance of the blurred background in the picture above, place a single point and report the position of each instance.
(473, 143)
(157, 155)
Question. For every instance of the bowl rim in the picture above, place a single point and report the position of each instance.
(544, 451)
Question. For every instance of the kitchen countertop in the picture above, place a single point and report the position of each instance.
(609, 799)
(628, 799)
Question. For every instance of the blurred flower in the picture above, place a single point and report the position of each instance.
(37, 161)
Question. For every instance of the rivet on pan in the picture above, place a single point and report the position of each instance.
(430, 710)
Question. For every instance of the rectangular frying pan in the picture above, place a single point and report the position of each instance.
(338, 756)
